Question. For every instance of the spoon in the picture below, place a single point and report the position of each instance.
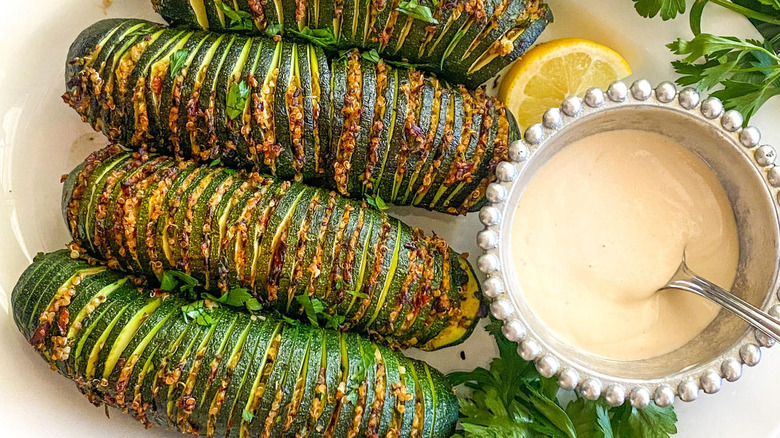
(686, 280)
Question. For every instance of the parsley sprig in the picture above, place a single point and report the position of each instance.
(511, 399)
(321, 37)
(743, 73)
(377, 202)
(178, 58)
(200, 310)
(415, 10)
(238, 93)
(239, 20)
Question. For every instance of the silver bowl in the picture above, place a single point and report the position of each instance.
(751, 179)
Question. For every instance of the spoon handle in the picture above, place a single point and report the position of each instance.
(731, 302)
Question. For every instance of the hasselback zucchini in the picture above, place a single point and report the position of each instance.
(358, 126)
(227, 373)
(284, 242)
(464, 41)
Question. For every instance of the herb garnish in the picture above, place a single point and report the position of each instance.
(239, 20)
(372, 56)
(416, 10)
(172, 279)
(321, 37)
(177, 60)
(377, 202)
(744, 73)
(197, 311)
(236, 99)
(273, 29)
(247, 416)
(312, 307)
(238, 297)
(215, 162)
(358, 376)
(511, 399)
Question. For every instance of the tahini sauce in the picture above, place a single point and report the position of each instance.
(603, 224)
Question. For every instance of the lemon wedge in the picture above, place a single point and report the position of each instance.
(555, 70)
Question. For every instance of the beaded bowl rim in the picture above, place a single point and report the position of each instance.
(686, 385)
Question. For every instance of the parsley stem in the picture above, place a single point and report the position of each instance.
(747, 12)
(753, 69)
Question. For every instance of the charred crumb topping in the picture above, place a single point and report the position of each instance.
(377, 126)
(294, 101)
(258, 13)
(351, 111)
(414, 137)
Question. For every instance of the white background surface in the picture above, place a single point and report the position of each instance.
(41, 138)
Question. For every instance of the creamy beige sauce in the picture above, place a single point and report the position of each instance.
(603, 224)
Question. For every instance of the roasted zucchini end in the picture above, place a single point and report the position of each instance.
(472, 309)
(87, 41)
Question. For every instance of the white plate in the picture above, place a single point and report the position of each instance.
(41, 138)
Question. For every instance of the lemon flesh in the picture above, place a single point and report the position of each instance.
(553, 71)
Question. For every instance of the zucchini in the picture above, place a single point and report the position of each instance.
(470, 43)
(239, 374)
(280, 241)
(356, 126)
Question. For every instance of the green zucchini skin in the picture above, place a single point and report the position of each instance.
(351, 125)
(279, 240)
(145, 357)
(471, 42)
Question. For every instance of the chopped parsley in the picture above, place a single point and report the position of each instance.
(239, 20)
(177, 60)
(236, 99)
(418, 11)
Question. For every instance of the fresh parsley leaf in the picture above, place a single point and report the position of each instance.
(667, 8)
(352, 396)
(745, 73)
(372, 56)
(238, 297)
(168, 282)
(253, 305)
(312, 307)
(273, 29)
(650, 422)
(236, 99)
(177, 60)
(171, 279)
(215, 162)
(247, 416)
(590, 419)
(418, 11)
(377, 202)
(321, 37)
(511, 399)
(239, 20)
(333, 321)
(748, 71)
(197, 311)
